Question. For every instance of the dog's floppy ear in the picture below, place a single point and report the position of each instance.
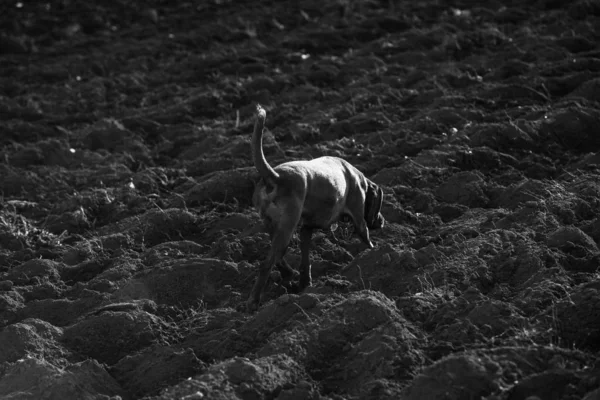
(373, 203)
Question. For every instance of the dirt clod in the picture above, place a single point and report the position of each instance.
(241, 378)
(34, 378)
(146, 372)
(110, 336)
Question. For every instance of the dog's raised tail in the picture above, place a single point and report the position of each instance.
(260, 162)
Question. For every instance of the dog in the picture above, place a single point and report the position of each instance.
(315, 192)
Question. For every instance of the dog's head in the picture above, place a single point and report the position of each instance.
(373, 202)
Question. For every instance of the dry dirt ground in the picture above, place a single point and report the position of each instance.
(126, 181)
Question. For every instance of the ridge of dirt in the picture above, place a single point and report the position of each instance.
(126, 223)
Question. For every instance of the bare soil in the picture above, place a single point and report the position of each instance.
(126, 252)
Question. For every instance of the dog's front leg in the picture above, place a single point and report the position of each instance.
(356, 208)
(360, 226)
(363, 232)
(305, 242)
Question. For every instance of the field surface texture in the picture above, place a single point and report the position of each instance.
(129, 243)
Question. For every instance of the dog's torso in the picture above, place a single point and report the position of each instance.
(321, 187)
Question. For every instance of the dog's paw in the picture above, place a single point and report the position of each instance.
(276, 276)
(251, 306)
(304, 283)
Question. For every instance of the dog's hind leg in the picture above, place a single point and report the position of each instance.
(305, 242)
(286, 270)
(280, 241)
